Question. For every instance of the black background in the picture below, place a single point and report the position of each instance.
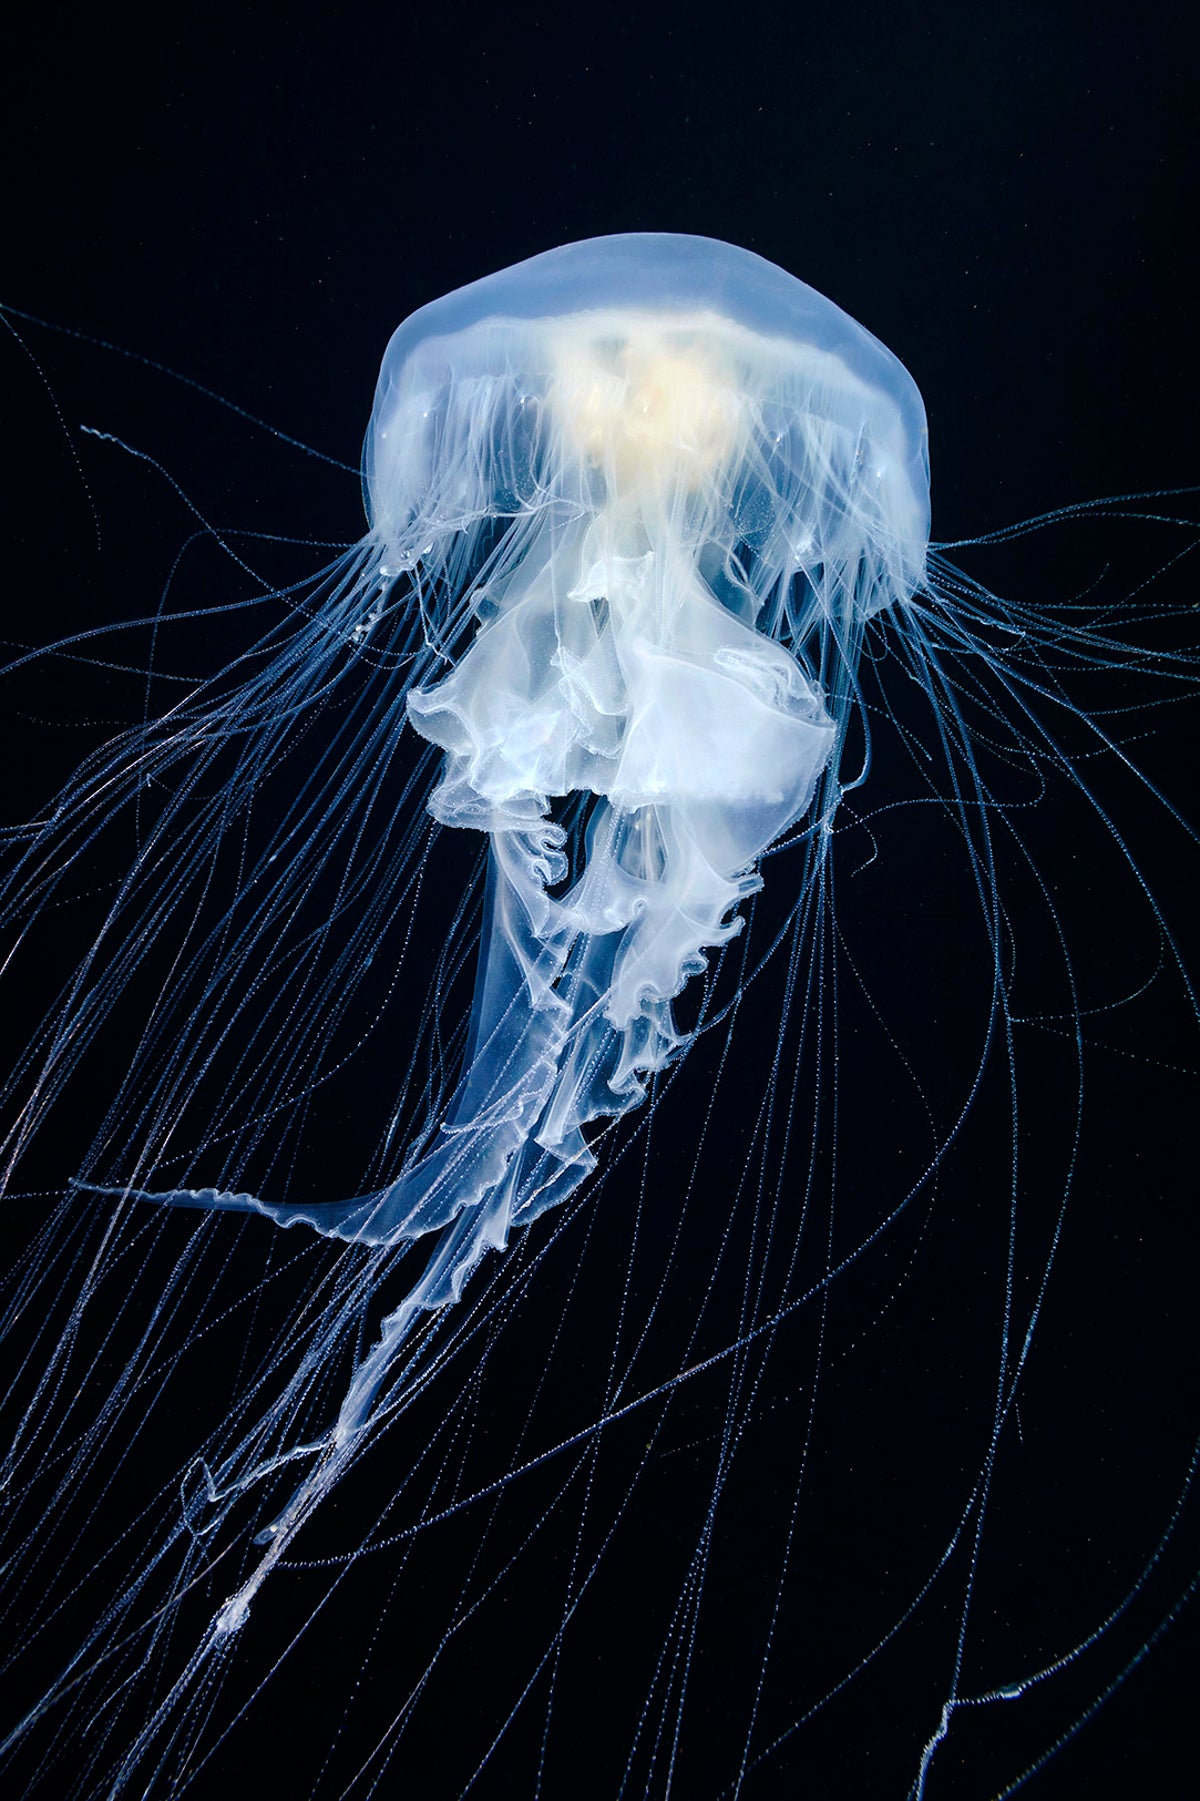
(1004, 195)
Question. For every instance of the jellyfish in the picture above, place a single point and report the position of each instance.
(647, 555)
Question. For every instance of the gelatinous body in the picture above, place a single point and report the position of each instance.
(646, 518)
(701, 479)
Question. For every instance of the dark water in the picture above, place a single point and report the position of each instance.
(1007, 202)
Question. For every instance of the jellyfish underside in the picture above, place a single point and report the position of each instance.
(693, 512)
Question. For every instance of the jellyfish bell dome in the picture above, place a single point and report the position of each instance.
(658, 380)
